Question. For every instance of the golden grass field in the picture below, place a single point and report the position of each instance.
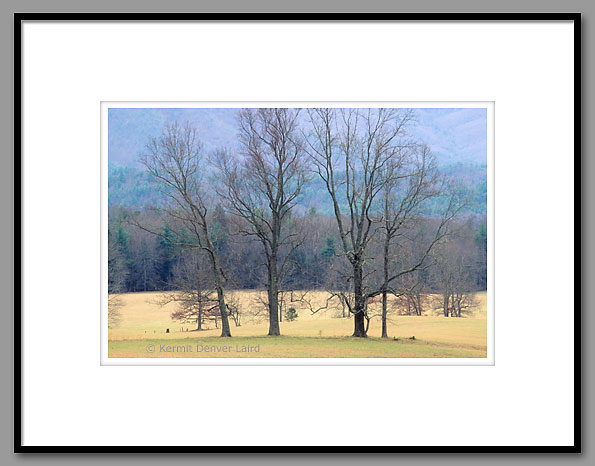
(141, 334)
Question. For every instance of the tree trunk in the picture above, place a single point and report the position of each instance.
(273, 310)
(359, 325)
(384, 310)
(219, 281)
(225, 330)
(386, 276)
(273, 291)
(199, 310)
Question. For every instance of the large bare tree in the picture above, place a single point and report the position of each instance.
(361, 154)
(261, 186)
(176, 161)
(350, 149)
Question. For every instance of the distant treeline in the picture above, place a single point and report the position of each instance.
(142, 261)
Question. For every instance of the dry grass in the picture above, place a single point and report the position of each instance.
(311, 335)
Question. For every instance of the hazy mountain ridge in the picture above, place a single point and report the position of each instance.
(131, 129)
(454, 134)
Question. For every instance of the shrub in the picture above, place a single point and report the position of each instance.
(291, 314)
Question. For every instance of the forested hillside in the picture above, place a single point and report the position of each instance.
(133, 187)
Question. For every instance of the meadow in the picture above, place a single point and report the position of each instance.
(142, 333)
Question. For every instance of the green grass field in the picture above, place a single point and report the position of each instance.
(290, 347)
(142, 334)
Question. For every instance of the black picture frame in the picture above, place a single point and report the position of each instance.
(279, 17)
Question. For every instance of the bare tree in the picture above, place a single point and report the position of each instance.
(410, 298)
(234, 308)
(411, 179)
(262, 188)
(360, 154)
(350, 149)
(453, 278)
(114, 316)
(193, 292)
(175, 160)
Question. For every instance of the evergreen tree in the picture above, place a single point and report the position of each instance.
(481, 237)
(220, 230)
(329, 249)
(167, 254)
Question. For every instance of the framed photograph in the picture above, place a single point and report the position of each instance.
(343, 217)
(380, 254)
